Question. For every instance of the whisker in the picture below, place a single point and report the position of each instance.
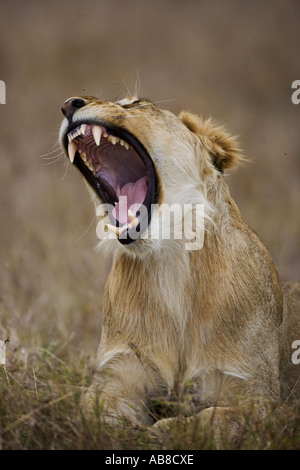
(52, 158)
(137, 87)
(52, 151)
(66, 170)
(164, 101)
(54, 161)
(123, 92)
(86, 231)
(128, 91)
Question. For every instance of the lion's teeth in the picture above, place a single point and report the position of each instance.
(134, 221)
(97, 131)
(113, 139)
(124, 144)
(89, 164)
(71, 151)
(118, 230)
(97, 167)
(125, 227)
(113, 229)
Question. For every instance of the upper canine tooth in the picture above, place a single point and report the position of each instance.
(126, 145)
(71, 151)
(97, 131)
(134, 221)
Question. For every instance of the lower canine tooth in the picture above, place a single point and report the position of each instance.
(71, 151)
(134, 221)
(113, 229)
(125, 227)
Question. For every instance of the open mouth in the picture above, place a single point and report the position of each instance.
(120, 171)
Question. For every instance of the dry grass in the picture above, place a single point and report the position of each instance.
(232, 60)
(40, 408)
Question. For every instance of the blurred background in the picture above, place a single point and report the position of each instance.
(233, 60)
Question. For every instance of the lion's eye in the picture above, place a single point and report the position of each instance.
(130, 105)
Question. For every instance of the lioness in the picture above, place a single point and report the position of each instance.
(205, 321)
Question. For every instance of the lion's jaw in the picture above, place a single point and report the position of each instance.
(133, 149)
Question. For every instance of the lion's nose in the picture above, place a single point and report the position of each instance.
(71, 105)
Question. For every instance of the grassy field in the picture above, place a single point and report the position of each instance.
(234, 61)
(41, 409)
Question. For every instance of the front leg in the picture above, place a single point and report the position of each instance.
(224, 425)
(121, 388)
(236, 404)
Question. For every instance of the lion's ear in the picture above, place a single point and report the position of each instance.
(222, 147)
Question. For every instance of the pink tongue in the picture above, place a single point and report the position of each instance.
(132, 194)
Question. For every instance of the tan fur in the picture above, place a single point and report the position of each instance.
(204, 324)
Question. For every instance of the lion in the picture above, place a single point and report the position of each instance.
(204, 325)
